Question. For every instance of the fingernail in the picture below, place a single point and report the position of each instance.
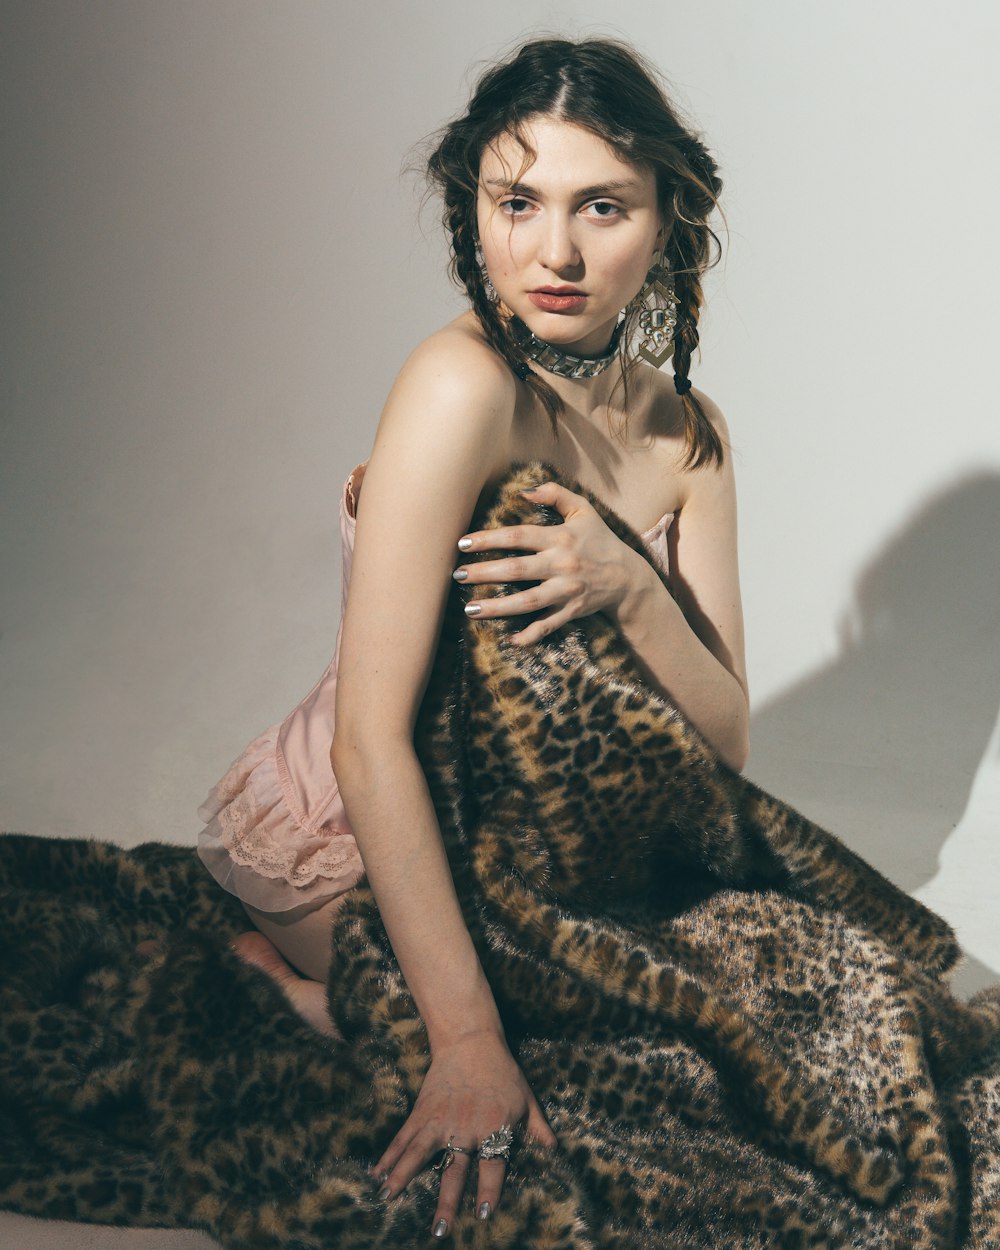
(472, 609)
(460, 575)
(465, 544)
(384, 1193)
(441, 1228)
(485, 1211)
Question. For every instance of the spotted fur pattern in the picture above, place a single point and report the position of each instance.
(741, 1033)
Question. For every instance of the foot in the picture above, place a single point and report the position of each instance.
(307, 997)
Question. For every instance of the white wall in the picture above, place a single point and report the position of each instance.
(212, 270)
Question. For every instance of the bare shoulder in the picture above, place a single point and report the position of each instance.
(667, 425)
(455, 367)
(715, 416)
(711, 484)
(666, 412)
(448, 417)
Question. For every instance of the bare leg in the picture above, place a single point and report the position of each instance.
(286, 944)
(307, 997)
(301, 935)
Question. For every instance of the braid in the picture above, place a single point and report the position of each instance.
(689, 253)
(700, 436)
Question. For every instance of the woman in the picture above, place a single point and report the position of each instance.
(578, 206)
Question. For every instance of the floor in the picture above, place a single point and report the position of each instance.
(17, 1232)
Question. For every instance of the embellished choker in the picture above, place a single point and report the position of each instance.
(563, 363)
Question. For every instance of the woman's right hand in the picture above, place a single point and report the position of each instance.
(472, 1087)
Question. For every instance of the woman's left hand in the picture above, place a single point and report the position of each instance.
(580, 566)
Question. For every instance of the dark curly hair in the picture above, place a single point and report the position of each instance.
(607, 88)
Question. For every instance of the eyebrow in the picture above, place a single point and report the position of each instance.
(601, 188)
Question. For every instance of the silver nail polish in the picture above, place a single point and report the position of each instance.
(472, 609)
(383, 1194)
(441, 1228)
(460, 575)
(465, 544)
(485, 1211)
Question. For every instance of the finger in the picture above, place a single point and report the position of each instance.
(541, 628)
(382, 1166)
(538, 1127)
(560, 595)
(516, 569)
(450, 1194)
(491, 1178)
(554, 495)
(518, 537)
(419, 1151)
(546, 596)
(406, 1134)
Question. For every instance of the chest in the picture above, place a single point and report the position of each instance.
(640, 479)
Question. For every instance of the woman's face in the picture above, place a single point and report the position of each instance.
(568, 241)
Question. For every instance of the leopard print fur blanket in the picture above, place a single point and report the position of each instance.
(741, 1033)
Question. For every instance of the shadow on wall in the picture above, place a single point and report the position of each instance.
(882, 745)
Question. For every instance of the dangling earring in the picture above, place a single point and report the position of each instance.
(488, 287)
(657, 304)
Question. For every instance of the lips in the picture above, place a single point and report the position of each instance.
(558, 299)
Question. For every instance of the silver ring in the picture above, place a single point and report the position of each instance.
(498, 1144)
(448, 1154)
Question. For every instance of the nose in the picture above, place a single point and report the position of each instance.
(557, 246)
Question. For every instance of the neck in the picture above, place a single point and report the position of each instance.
(587, 397)
(600, 401)
(584, 383)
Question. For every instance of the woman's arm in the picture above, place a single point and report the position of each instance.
(443, 435)
(691, 646)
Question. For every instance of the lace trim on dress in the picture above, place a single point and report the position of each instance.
(247, 826)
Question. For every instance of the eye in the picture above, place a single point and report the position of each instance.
(516, 205)
(603, 209)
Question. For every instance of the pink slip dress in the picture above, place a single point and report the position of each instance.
(276, 832)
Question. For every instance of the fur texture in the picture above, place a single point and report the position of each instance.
(741, 1033)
